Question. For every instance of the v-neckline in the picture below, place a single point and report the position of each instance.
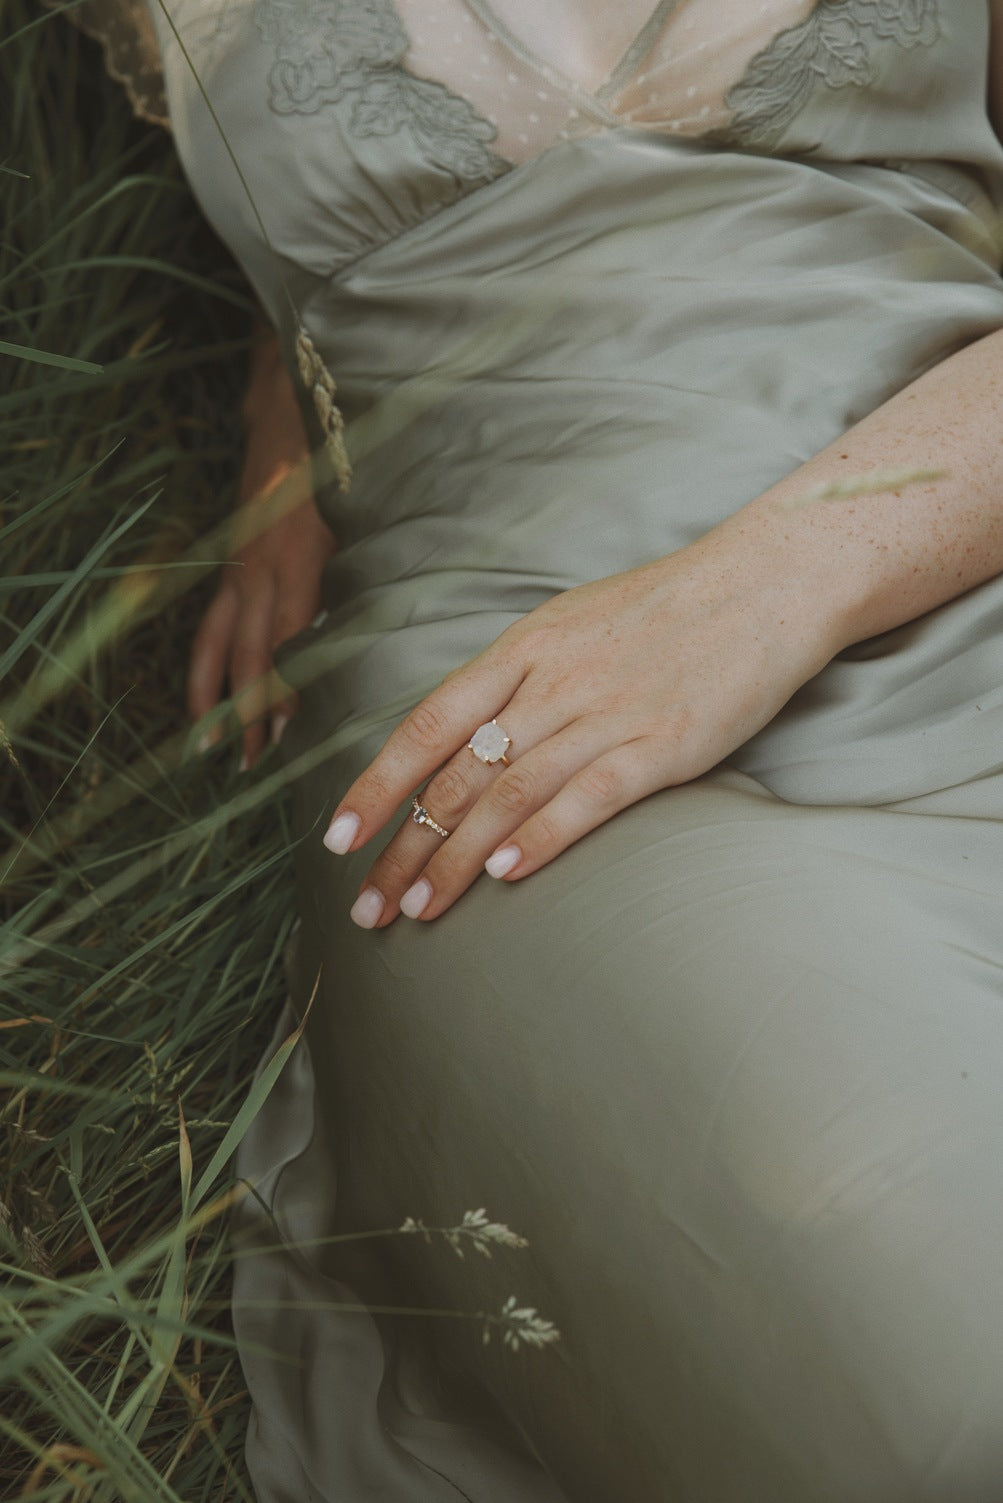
(591, 100)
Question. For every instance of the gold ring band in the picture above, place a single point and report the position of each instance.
(421, 816)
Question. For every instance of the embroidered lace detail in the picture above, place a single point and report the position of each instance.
(330, 50)
(832, 46)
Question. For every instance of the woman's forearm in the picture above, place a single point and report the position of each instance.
(267, 376)
(865, 563)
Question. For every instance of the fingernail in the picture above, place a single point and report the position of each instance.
(503, 861)
(245, 765)
(342, 832)
(367, 910)
(279, 723)
(204, 744)
(416, 899)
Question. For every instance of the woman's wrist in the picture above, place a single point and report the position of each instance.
(793, 600)
(268, 378)
(860, 566)
(822, 586)
(900, 515)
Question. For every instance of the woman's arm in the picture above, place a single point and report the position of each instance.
(271, 588)
(871, 562)
(650, 678)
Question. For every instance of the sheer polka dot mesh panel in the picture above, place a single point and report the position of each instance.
(546, 70)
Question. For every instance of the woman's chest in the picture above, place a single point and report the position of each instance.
(351, 120)
(534, 73)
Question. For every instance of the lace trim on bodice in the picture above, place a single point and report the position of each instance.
(327, 51)
(360, 55)
(830, 47)
(330, 50)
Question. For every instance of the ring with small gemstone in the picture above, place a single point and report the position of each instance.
(421, 816)
(489, 743)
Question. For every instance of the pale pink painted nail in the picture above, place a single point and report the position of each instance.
(342, 832)
(279, 723)
(503, 861)
(367, 910)
(416, 899)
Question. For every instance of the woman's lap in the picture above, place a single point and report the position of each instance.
(730, 1065)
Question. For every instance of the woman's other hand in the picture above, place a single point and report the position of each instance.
(270, 589)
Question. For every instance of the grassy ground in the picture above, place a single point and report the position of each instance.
(146, 889)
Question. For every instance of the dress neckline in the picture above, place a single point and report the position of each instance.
(591, 100)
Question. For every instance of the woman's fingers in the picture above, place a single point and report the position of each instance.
(253, 685)
(421, 873)
(445, 803)
(439, 726)
(232, 654)
(579, 803)
(605, 787)
(282, 713)
(271, 586)
(207, 670)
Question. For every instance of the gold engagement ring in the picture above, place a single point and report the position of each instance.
(421, 816)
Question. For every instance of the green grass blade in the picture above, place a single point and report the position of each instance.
(48, 357)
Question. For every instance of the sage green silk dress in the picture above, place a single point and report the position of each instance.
(733, 1063)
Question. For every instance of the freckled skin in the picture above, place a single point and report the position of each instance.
(752, 610)
(650, 678)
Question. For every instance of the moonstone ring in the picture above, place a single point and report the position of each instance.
(489, 743)
(421, 816)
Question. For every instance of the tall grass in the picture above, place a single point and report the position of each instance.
(146, 888)
(146, 893)
(146, 897)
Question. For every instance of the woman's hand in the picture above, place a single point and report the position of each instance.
(271, 588)
(608, 692)
(650, 678)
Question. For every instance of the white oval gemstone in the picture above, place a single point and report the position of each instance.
(489, 742)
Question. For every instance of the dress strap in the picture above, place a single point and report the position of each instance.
(638, 50)
(589, 102)
(583, 99)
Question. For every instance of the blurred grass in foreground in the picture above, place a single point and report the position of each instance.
(144, 916)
